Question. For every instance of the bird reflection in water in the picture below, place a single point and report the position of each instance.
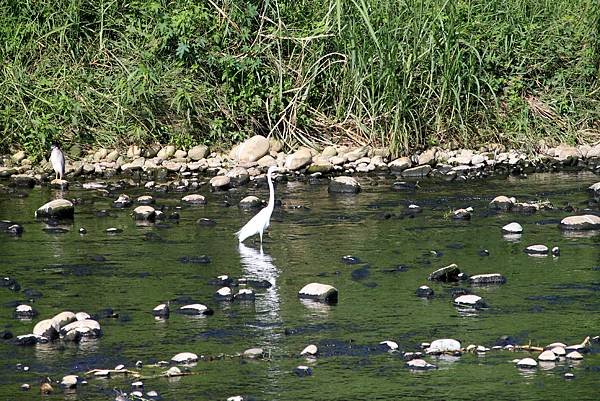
(259, 266)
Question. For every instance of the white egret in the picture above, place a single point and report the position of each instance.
(260, 221)
(57, 159)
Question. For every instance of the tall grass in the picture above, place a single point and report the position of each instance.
(399, 73)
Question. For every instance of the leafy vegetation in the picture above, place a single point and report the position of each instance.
(405, 74)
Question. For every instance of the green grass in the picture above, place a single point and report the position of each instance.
(402, 74)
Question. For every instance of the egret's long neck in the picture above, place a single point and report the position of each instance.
(271, 203)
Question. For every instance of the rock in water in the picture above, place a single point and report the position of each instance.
(512, 228)
(185, 358)
(194, 199)
(144, 212)
(58, 208)
(424, 292)
(319, 292)
(196, 309)
(443, 345)
(419, 364)
(536, 250)
(470, 301)
(446, 274)
(345, 185)
(583, 222)
(483, 279)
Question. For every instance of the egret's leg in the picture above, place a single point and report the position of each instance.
(260, 232)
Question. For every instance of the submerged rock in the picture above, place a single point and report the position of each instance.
(461, 214)
(547, 356)
(25, 312)
(58, 208)
(424, 292)
(419, 364)
(389, 345)
(303, 371)
(250, 202)
(343, 184)
(245, 294)
(319, 292)
(161, 310)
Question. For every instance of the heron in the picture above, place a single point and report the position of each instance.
(260, 221)
(57, 159)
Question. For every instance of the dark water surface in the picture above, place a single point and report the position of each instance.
(545, 299)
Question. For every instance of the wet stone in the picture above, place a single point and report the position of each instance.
(343, 184)
(445, 274)
(245, 295)
(161, 310)
(350, 260)
(584, 222)
(484, 279)
(58, 208)
(185, 358)
(303, 371)
(445, 345)
(205, 222)
(196, 309)
(420, 364)
(424, 292)
(144, 212)
(319, 292)
(145, 200)
(250, 202)
(123, 201)
(461, 214)
(310, 350)
(194, 199)
(536, 250)
(202, 259)
(223, 294)
(512, 228)
(527, 363)
(470, 301)
(253, 353)
(25, 312)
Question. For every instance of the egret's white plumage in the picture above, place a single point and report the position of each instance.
(260, 221)
(57, 159)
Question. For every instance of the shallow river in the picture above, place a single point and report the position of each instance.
(545, 299)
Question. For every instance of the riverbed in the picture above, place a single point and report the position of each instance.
(120, 278)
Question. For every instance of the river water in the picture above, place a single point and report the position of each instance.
(545, 299)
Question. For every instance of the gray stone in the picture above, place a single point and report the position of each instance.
(444, 345)
(64, 318)
(548, 356)
(253, 149)
(267, 161)
(145, 200)
(357, 153)
(166, 152)
(196, 309)
(59, 184)
(185, 358)
(198, 152)
(419, 364)
(69, 381)
(319, 292)
(23, 180)
(320, 167)
(87, 328)
(536, 250)
(299, 159)
(502, 202)
(250, 202)
(582, 222)
(512, 228)
(484, 279)
(446, 274)
(58, 208)
(527, 363)
(123, 201)
(144, 212)
(329, 151)
(46, 328)
(253, 353)
(220, 182)
(400, 164)
(470, 301)
(238, 176)
(344, 184)
(173, 166)
(194, 199)
(417, 172)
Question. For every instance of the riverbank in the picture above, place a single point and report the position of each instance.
(157, 163)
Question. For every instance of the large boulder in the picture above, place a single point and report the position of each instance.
(46, 328)
(58, 208)
(444, 345)
(85, 328)
(347, 185)
(144, 212)
(298, 159)
(253, 149)
(319, 292)
(582, 222)
(198, 152)
(64, 318)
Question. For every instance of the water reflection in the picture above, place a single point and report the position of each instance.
(259, 265)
